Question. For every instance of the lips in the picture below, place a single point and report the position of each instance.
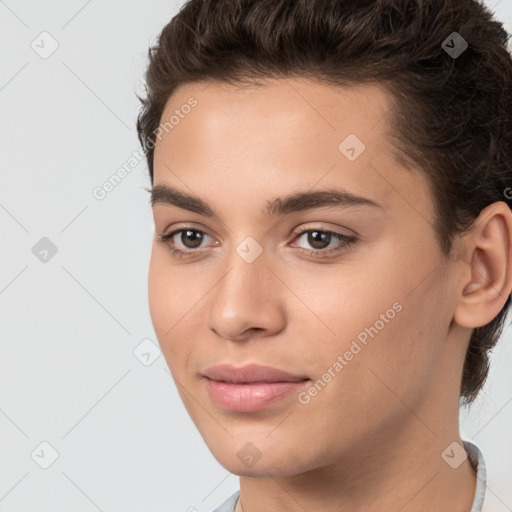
(251, 373)
(252, 387)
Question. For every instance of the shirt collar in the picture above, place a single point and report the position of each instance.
(477, 461)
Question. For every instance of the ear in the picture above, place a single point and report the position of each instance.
(487, 279)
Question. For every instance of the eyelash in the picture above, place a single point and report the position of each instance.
(179, 253)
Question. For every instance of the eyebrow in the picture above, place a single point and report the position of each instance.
(296, 202)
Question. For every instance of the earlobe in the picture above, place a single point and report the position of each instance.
(489, 284)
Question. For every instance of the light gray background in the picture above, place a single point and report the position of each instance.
(70, 325)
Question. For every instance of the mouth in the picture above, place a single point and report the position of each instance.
(252, 387)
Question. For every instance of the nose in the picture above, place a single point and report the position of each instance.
(247, 299)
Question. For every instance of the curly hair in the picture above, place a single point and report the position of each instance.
(452, 114)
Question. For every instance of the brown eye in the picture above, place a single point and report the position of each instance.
(320, 239)
(192, 236)
(187, 244)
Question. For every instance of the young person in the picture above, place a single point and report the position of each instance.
(331, 185)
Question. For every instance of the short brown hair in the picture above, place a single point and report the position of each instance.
(453, 113)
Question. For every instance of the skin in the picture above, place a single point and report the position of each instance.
(372, 439)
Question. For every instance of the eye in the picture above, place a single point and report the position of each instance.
(320, 239)
(190, 237)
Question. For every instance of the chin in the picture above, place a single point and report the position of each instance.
(268, 461)
(263, 470)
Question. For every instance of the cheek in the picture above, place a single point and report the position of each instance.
(160, 297)
(171, 306)
(378, 321)
(401, 357)
(338, 302)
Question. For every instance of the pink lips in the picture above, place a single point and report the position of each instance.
(251, 387)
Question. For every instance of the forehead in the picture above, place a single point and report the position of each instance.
(285, 133)
(316, 106)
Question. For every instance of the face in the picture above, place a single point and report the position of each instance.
(353, 296)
